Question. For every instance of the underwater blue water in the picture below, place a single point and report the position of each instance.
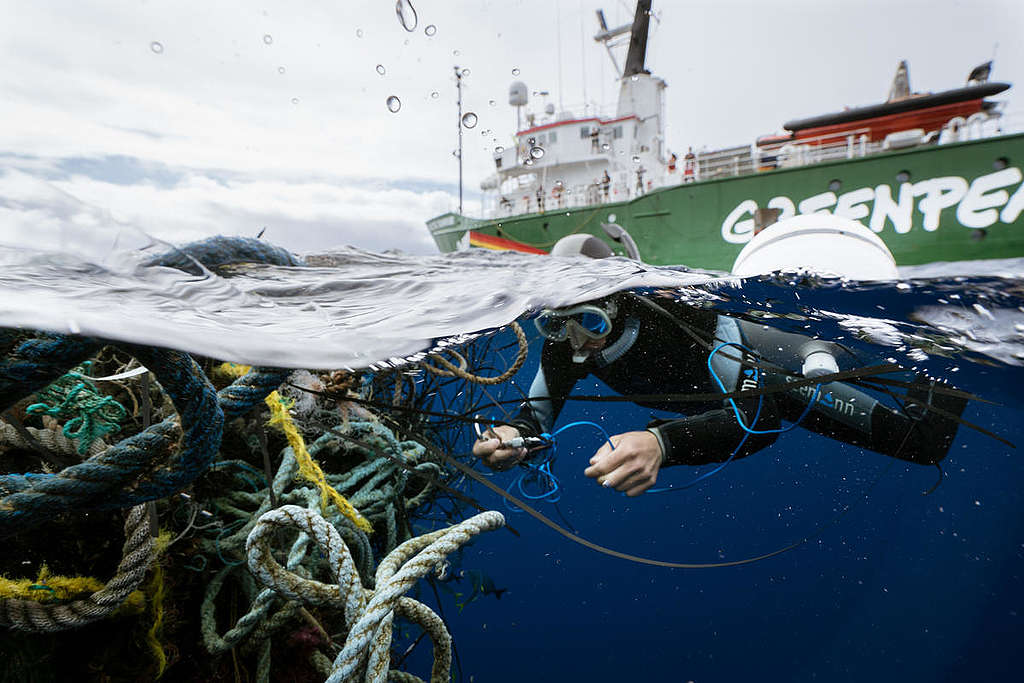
(891, 584)
(901, 586)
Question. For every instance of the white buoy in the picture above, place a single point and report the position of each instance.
(825, 244)
(820, 242)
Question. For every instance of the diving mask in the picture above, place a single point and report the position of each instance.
(578, 324)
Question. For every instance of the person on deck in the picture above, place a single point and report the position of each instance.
(606, 183)
(639, 347)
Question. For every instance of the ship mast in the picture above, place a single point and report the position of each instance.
(638, 40)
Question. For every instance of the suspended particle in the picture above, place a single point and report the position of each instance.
(469, 119)
(268, 39)
(515, 71)
(380, 69)
(156, 47)
(430, 30)
(407, 16)
(394, 104)
(537, 152)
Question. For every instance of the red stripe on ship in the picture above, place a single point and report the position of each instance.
(479, 239)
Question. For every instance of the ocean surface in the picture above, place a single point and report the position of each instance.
(899, 572)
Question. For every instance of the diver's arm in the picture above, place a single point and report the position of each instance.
(555, 378)
(714, 436)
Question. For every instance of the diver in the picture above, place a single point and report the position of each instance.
(641, 347)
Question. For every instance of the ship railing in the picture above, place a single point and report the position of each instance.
(578, 110)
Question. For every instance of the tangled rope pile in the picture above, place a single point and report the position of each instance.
(195, 471)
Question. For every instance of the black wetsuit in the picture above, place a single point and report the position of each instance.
(648, 353)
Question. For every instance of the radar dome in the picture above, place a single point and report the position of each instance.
(517, 94)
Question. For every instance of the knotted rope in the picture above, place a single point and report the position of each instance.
(364, 610)
(452, 370)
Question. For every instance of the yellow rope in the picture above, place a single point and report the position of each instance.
(50, 588)
(155, 589)
(279, 417)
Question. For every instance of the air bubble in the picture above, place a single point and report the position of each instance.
(407, 16)
(430, 30)
(469, 119)
(394, 104)
(537, 152)
(515, 72)
(380, 69)
(268, 39)
(156, 47)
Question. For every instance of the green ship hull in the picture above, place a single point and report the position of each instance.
(956, 202)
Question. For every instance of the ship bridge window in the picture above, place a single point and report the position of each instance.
(617, 132)
(585, 132)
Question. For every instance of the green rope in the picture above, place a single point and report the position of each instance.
(90, 415)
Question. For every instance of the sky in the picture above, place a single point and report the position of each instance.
(192, 118)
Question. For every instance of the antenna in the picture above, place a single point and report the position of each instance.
(458, 122)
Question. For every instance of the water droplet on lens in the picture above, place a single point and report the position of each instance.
(280, 69)
(469, 119)
(499, 149)
(465, 72)
(380, 69)
(394, 104)
(455, 153)
(528, 161)
(433, 95)
(455, 52)
(407, 16)
(636, 159)
(634, 78)
(606, 147)
(295, 100)
(491, 103)
(268, 39)
(430, 30)
(537, 152)
(156, 47)
(515, 72)
(359, 33)
(531, 141)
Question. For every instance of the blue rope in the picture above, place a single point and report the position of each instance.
(124, 475)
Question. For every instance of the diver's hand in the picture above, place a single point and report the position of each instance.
(499, 458)
(633, 465)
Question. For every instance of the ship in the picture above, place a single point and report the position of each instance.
(937, 176)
